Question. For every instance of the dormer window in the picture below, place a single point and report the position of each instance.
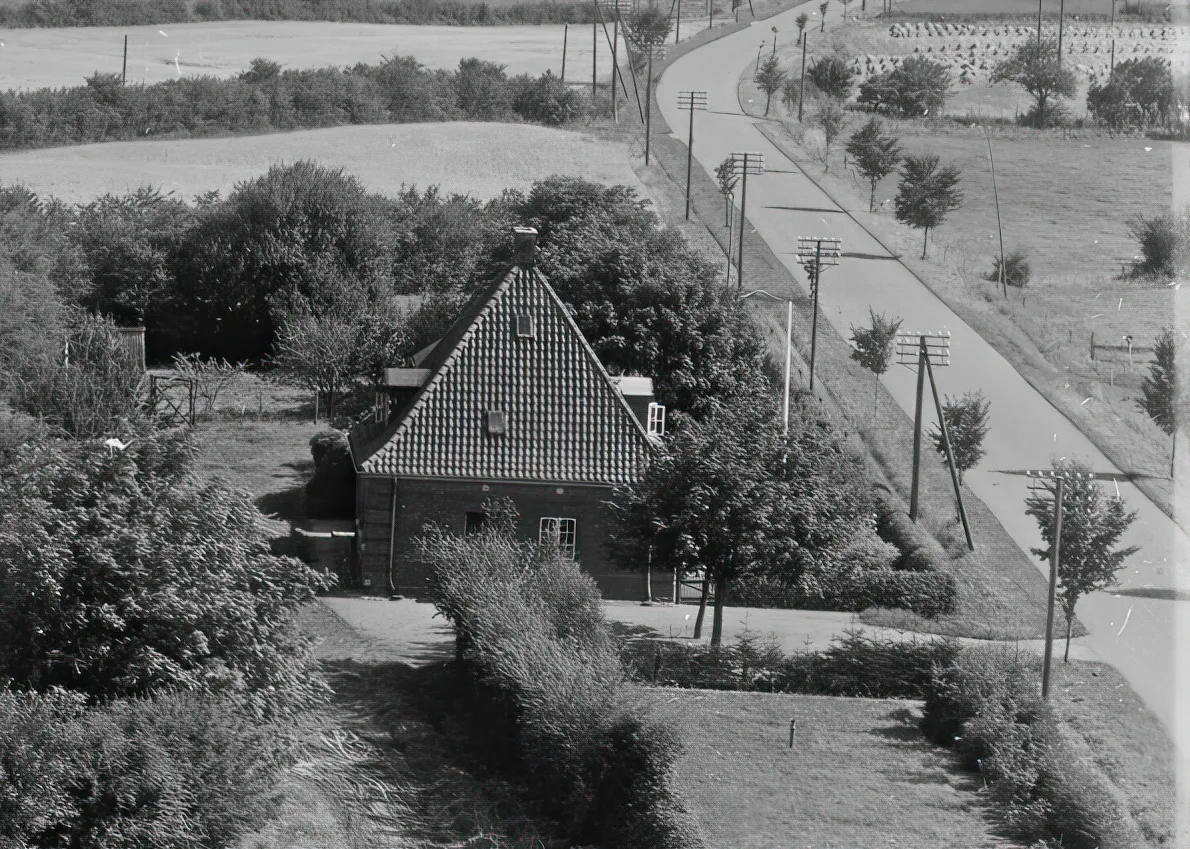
(524, 327)
(497, 422)
(656, 423)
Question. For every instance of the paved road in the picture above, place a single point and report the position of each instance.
(1135, 634)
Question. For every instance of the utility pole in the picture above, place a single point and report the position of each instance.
(730, 231)
(678, 23)
(691, 101)
(748, 162)
(814, 253)
(124, 73)
(926, 349)
(659, 51)
(1055, 560)
(615, 65)
(565, 38)
(1112, 68)
(801, 91)
(999, 228)
(594, 56)
(1039, 30)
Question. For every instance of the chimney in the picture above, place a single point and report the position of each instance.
(524, 246)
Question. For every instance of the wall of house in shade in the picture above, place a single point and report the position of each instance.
(447, 504)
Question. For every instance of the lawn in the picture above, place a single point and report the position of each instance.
(477, 159)
(859, 774)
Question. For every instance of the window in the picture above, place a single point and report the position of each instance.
(524, 326)
(475, 523)
(558, 531)
(496, 421)
(656, 424)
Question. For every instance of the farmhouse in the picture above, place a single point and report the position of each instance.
(511, 402)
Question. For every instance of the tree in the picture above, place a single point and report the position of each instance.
(801, 21)
(966, 425)
(483, 90)
(647, 27)
(1037, 69)
(1092, 525)
(122, 573)
(644, 300)
(845, 3)
(731, 497)
(831, 119)
(832, 76)
(915, 88)
(875, 154)
(822, 7)
(770, 78)
(1164, 242)
(791, 93)
(1160, 392)
(874, 347)
(927, 194)
(1139, 92)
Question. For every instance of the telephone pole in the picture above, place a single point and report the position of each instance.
(691, 101)
(815, 253)
(746, 162)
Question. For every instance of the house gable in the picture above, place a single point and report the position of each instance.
(517, 363)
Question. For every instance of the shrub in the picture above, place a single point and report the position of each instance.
(1017, 271)
(928, 593)
(87, 388)
(160, 580)
(1164, 243)
(530, 629)
(1140, 93)
(545, 100)
(177, 771)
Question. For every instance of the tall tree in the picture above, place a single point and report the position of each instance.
(966, 425)
(1160, 392)
(1037, 69)
(822, 7)
(801, 21)
(874, 347)
(832, 76)
(875, 153)
(1092, 524)
(769, 77)
(927, 194)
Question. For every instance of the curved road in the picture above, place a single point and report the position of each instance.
(1137, 635)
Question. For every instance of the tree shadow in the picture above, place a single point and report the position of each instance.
(288, 504)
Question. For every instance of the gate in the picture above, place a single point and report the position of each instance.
(171, 399)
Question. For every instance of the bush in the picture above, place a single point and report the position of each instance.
(1139, 93)
(916, 87)
(1164, 243)
(330, 493)
(1016, 269)
(161, 581)
(530, 631)
(927, 593)
(181, 770)
(545, 100)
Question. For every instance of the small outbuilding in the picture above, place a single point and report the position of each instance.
(511, 402)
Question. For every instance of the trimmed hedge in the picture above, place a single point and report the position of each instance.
(550, 690)
(854, 665)
(928, 594)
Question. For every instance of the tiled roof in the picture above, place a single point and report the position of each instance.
(565, 420)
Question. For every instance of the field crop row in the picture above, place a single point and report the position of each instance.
(932, 30)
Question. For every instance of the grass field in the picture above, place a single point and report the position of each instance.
(477, 159)
(859, 774)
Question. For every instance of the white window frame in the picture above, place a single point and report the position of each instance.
(560, 531)
(496, 422)
(656, 422)
(529, 332)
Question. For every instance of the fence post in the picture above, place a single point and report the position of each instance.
(1092, 346)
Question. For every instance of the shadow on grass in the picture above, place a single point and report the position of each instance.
(424, 742)
(288, 504)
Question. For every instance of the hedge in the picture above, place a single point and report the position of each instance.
(267, 99)
(928, 594)
(549, 687)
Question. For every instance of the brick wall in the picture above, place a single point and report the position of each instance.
(447, 503)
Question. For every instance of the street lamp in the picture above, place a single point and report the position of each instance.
(745, 163)
(657, 51)
(691, 101)
(774, 42)
(816, 253)
(758, 49)
(788, 345)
